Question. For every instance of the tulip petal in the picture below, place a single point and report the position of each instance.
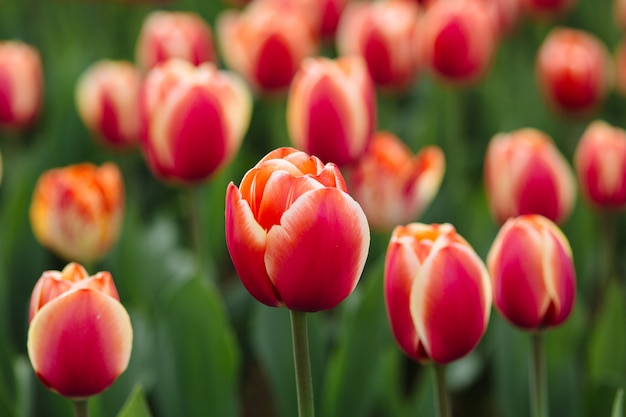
(560, 280)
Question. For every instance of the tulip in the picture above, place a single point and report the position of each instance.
(384, 34)
(296, 237)
(573, 71)
(331, 109)
(165, 35)
(391, 184)
(526, 174)
(80, 335)
(505, 14)
(619, 13)
(193, 119)
(21, 84)
(266, 43)
(437, 292)
(600, 161)
(547, 8)
(107, 99)
(620, 67)
(76, 211)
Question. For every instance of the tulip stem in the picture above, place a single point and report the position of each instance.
(538, 377)
(195, 227)
(80, 408)
(302, 363)
(443, 401)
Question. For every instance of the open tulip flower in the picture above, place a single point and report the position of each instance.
(80, 335)
(76, 211)
(393, 185)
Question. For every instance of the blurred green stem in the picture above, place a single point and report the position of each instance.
(538, 387)
(193, 207)
(80, 407)
(302, 362)
(443, 402)
(608, 271)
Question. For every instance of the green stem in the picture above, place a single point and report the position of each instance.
(443, 402)
(195, 229)
(538, 377)
(80, 407)
(304, 384)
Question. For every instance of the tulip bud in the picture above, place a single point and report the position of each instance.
(437, 292)
(296, 237)
(619, 14)
(21, 84)
(391, 184)
(80, 335)
(165, 35)
(193, 119)
(526, 174)
(547, 8)
(600, 161)
(505, 14)
(532, 272)
(331, 109)
(107, 99)
(76, 211)
(573, 71)
(384, 34)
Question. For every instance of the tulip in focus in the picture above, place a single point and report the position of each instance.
(600, 161)
(107, 99)
(331, 109)
(574, 71)
(437, 292)
(296, 237)
(173, 34)
(534, 282)
(76, 211)
(392, 185)
(21, 84)
(193, 119)
(547, 8)
(80, 335)
(526, 174)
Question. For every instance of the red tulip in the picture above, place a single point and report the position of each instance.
(526, 174)
(533, 275)
(80, 335)
(437, 292)
(296, 238)
(392, 185)
(331, 109)
(600, 161)
(107, 98)
(193, 119)
(21, 84)
(547, 8)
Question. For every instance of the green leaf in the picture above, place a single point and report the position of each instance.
(618, 404)
(136, 405)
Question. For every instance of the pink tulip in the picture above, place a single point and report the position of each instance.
(533, 275)
(437, 292)
(80, 335)
(296, 237)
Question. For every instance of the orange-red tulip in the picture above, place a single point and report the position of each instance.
(296, 237)
(437, 292)
(534, 282)
(80, 335)
(76, 211)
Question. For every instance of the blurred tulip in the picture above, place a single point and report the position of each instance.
(620, 67)
(193, 119)
(391, 184)
(526, 174)
(21, 84)
(167, 34)
(573, 71)
(437, 292)
(547, 8)
(505, 14)
(107, 99)
(384, 34)
(458, 40)
(266, 42)
(532, 272)
(600, 161)
(331, 109)
(296, 238)
(80, 335)
(76, 211)
(619, 14)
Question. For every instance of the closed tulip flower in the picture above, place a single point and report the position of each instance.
(331, 109)
(437, 292)
(393, 185)
(600, 161)
(76, 211)
(80, 335)
(21, 84)
(107, 99)
(296, 237)
(173, 34)
(193, 120)
(533, 275)
(526, 174)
